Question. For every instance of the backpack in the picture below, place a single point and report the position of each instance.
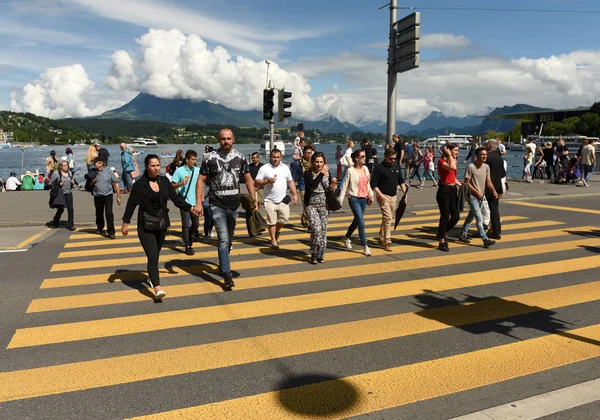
(89, 180)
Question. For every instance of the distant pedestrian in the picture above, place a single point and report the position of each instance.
(447, 194)
(276, 178)
(64, 179)
(209, 223)
(151, 193)
(407, 159)
(370, 154)
(177, 162)
(128, 166)
(72, 167)
(477, 178)
(295, 166)
(416, 164)
(184, 180)
(386, 178)
(497, 172)
(103, 153)
(548, 153)
(317, 181)
(90, 155)
(588, 161)
(346, 160)
(429, 167)
(338, 155)
(254, 167)
(104, 183)
(51, 163)
(223, 170)
(357, 185)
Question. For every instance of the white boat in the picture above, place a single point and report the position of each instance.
(141, 142)
(5, 145)
(516, 147)
(463, 141)
(265, 147)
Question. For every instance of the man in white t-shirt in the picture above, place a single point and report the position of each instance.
(12, 182)
(531, 146)
(276, 177)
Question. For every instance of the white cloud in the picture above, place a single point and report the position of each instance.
(62, 92)
(255, 38)
(12, 28)
(444, 41)
(173, 65)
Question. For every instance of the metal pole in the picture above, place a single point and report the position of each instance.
(22, 159)
(272, 133)
(392, 76)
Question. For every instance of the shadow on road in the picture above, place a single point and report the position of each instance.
(135, 279)
(318, 395)
(492, 315)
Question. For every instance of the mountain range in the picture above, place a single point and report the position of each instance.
(185, 111)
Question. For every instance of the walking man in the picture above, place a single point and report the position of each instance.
(184, 180)
(128, 167)
(497, 172)
(104, 182)
(385, 180)
(222, 170)
(276, 177)
(588, 160)
(255, 165)
(477, 178)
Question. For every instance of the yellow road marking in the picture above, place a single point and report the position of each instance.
(407, 384)
(127, 369)
(336, 256)
(194, 289)
(31, 239)
(285, 236)
(335, 222)
(52, 334)
(425, 212)
(551, 207)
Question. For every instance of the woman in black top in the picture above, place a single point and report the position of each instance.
(151, 193)
(548, 153)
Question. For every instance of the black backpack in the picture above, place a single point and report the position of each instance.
(90, 177)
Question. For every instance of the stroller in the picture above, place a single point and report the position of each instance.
(572, 173)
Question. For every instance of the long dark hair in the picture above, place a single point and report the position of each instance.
(147, 160)
(177, 159)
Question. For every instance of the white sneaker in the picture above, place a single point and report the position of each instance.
(347, 244)
(585, 183)
(367, 251)
(160, 295)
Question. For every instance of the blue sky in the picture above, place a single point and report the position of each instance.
(57, 58)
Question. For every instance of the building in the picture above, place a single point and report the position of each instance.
(533, 122)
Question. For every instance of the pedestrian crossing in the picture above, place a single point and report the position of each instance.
(287, 319)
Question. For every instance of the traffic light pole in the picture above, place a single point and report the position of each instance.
(272, 133)
(392, 93)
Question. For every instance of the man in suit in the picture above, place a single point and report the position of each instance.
(497, 172)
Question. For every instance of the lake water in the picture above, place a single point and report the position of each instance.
(34, 158)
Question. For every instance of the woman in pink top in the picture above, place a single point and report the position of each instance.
(357, 186)
(429, 167)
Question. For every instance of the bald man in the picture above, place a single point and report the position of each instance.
(128, 168)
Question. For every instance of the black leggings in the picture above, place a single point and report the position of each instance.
(447, 200)
(152, 241)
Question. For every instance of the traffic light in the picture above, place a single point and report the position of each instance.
(268, 104)
(282, 114)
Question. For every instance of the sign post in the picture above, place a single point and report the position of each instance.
(403, 56)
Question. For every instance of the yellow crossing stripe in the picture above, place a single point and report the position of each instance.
(285, 236)
(111, 277)
(334, 222)
(111, 327)
(403, 385)
(551, 207)
(128, 296)
(132, 368)
(425, 212)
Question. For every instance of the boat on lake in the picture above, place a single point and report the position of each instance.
(464, 141)
(142, 142)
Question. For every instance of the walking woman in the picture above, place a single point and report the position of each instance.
(178, 161)
(90, 155)
(65, 180)
(357, 185)
(447, 194)
(51, 163)
(428, 167)
(151, 193)
(316, 181)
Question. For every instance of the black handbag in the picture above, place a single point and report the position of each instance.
(331, 201)
(154, 221)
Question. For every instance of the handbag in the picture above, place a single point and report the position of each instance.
(331, 201)
(154, 222)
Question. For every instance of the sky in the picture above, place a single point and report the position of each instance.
(79, 58)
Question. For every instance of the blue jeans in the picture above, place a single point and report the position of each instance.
(358, 206)
(189, 226)
(127, 180)
(224, 220)
(475, 212)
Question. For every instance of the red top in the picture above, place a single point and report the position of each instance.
(447, 176)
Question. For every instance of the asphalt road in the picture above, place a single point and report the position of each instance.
(412, 334)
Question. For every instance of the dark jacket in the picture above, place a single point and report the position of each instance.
(310, 184)
(140, 197)
(497, 171)
(103, 155)
(255, 223)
